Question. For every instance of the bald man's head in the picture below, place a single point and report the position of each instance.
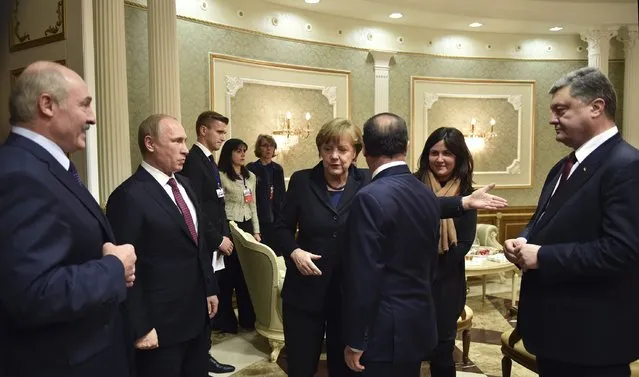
(38, 78)
(385, 134)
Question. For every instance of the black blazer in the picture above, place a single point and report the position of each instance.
(390, 260)
(307, 206)
(59, 297)
(199, 170)
(173, 274)
(575, 307)
(268, 211)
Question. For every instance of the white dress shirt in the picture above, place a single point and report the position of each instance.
(163, 180)
(386, 166)
(207, 152)
(51, 147)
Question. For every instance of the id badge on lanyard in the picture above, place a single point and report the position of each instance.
(219, 191)
(248, 195)
(271, 192)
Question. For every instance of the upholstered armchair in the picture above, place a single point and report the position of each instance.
(264, 274)
(512, 348)
(487, 236)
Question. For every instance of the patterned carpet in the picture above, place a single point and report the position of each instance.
(492, 316)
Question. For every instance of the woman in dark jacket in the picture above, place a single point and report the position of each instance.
(446, 166)
(317, 204)
(270, 189)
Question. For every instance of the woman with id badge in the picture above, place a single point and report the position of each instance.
(239, 195)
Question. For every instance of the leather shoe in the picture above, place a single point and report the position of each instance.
(217, 367)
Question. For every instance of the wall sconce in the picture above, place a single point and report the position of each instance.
(287, 135)
(476, 139)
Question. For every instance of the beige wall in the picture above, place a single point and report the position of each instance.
(197, 39)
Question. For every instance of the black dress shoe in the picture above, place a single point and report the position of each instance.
(217, 367)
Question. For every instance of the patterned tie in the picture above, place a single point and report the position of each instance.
(186, 214)
(74, 173)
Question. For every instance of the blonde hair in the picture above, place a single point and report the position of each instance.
(261, 139)
(337, 128)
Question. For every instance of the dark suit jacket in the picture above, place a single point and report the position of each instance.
(575, 308)
(307, 206)
(268, 211)
(199, 170)
(173, 274)
(59, 297)
(390, 261)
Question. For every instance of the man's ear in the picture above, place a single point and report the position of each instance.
(45, 104)
(149, 144)
(597, 107)
(364, 151)
(407, 147)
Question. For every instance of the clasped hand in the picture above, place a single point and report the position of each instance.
(521, 253)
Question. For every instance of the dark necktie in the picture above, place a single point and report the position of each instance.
(74, 174)
(216, 172)
(186, 214)
(566, 168)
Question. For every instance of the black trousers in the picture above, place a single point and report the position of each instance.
(441, 361)
(231, 278)
(552, 368)
(373, 369)
(304, 335)
(186, 359)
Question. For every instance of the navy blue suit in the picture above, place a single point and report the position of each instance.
(390, 260)
(59, 297)
(575, 308)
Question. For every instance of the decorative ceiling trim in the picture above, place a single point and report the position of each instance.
(20, 40)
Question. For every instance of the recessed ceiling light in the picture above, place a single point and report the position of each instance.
(311, 1)
(556, 28)
(396, 15)
(476, 24)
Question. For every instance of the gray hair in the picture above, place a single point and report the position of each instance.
(588, 84)
(38, 78)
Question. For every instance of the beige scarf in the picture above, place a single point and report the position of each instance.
(447, 231)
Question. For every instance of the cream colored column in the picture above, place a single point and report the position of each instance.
(164, 80)
(114, 155)
(599, 47)
(631, 86)
(382, 75)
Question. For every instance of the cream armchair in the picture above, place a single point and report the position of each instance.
(264, 274)
(487, 236)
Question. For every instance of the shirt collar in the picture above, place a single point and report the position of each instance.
(386, 166)
(204, 149)
(159, 176)
(588, 147)
(51, 147)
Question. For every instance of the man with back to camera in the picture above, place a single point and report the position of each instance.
(62, 280)
(202, 171)
(175, 294)
(390, 257)
(580, 250)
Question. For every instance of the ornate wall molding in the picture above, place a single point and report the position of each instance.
(27, 34)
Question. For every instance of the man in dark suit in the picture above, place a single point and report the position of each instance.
(390, 260)
(62, 281)
(580, 251)
(175, 293)
(201, 169)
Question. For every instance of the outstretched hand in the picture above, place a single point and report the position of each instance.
(481, 199)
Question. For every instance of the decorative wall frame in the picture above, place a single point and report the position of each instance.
(48, 25)
(230, 74)
(515, 171)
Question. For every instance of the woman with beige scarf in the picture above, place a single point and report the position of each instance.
(446, 166)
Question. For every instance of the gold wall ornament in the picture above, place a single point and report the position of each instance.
(26, 35)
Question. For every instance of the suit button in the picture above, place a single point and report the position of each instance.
(334, 234)
(335, 217)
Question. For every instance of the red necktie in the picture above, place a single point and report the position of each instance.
(567, 167)
(183, 208)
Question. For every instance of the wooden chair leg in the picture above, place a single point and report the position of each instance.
(506, 366)
(465, 345)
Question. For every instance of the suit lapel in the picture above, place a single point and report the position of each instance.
(206, 162)
(318, 187)
(584, 171)
(158, 194)
(65, 178)
(352, 186)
